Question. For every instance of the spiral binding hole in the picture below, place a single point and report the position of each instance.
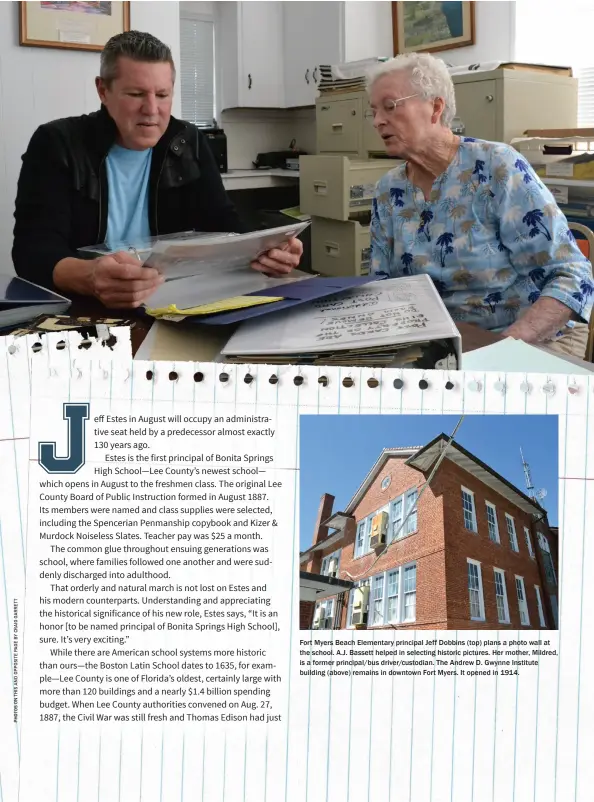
(423, 384)
(273, 379)
(85, 345)
(198, 376)
(149, 375)
(373, 383)
(323, 380)
(398, 384)
(12, 349)
(61, 345)
(223, 377)
(36, 347)
(173, 376)
(348, 382)
(248, 378)
(298, 381)
(449, 385)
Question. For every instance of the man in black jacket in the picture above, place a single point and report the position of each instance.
(125, 172)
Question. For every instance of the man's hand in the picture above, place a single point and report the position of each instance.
(120, 281)
(280, 261)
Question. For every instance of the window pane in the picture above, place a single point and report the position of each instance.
(197, 70)
(468, 510)
(377, 616)
(500, 597)
(410, 592)
(411, 500)
(396, 519)
(492, 522)
(511, 531)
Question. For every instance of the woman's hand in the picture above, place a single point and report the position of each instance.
(280, 261)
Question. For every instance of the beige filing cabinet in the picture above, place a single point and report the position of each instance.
(344, 126)
(338, 187)
(340, 248)
(496, 105)
(499, 105)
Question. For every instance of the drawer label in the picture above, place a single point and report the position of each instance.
(361, 194)
(560, 169)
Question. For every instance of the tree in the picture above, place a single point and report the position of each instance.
(396, 196)
(521, 165)
(492, 299)
(407, 260)
(445, 246)
(533, 220)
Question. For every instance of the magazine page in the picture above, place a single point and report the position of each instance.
(186, 545)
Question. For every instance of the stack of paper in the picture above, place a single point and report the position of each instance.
(388, 323)
(348, 77)
(20, 301)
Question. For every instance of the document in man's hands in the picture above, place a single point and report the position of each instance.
(368, 325)
(193, 257)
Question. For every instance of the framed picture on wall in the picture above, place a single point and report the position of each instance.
(72, 25)
(421, 27)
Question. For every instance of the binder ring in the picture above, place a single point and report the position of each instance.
(12, 349)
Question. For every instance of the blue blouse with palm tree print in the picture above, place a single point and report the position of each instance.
(491, 237)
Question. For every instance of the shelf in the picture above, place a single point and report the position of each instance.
(567, 182)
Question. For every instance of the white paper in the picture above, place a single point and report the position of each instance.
(401, 310)
(194, 257)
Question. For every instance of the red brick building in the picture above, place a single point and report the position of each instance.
(466, 551)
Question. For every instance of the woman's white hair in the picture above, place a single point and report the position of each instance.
(429, 77)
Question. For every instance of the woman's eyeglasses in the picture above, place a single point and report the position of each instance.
(387, 107)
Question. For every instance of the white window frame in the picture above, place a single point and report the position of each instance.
(188, 77)
(393, 521)
(479, 590)
(360, 537)
(493, 509)
(546, 549)
(501, 573)
(360, 584)
(522, 603)
(381, 618)
(472, 511)
(412, 523)
(327, 560)
(511, 532)
(528, 540)
(327, 607)
(541, 615)
(363, 545)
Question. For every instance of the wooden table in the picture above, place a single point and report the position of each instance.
(472, 336)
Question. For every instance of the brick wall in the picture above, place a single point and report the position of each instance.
(306, 612)
(462, 544)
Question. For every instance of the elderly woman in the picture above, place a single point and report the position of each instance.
(473, 215)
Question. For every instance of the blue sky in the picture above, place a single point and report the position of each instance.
(337, 451)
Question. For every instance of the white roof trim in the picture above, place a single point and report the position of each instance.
(379, 463)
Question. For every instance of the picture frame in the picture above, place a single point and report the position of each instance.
(428, 27)
(72, 25)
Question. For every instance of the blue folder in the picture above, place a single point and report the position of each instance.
(295, 293)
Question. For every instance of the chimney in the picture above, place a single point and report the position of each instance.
(324, 512)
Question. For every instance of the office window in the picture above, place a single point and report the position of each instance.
(197, 70)
(393, 589)
(393, 597)
(377, 593)
(511, 531)
(492, 522)
(396, 517)
(541, 616)
(501, 597)
(330, 564)
(529, 542)
(522, 603)
(468, 509)
(411, 507)
(475, 591)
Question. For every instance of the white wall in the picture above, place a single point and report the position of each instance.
(494, 35)
(41, 84)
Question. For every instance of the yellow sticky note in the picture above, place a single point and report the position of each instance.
(225, 305)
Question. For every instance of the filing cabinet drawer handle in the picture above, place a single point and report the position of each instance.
(320, 187)
(332, 248)
(315, 75)
(249, 81)
(489, 98)
(307, 76)
(337, 126)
